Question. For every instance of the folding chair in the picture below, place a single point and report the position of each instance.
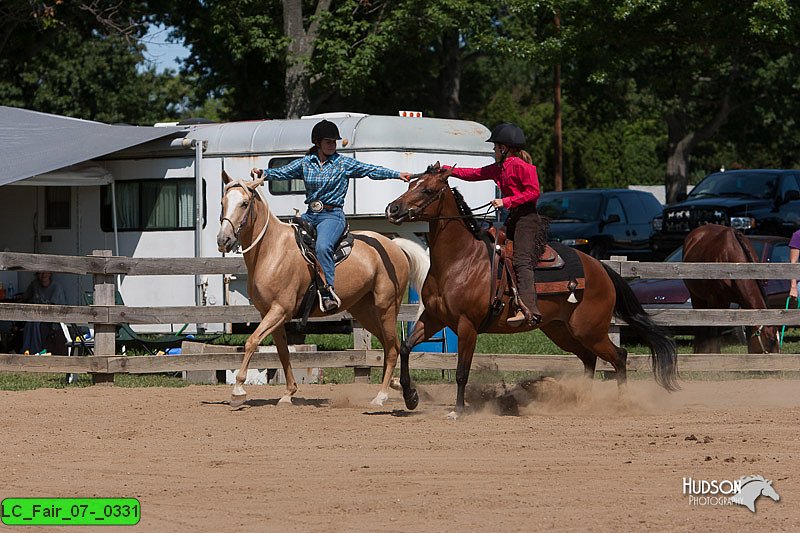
(77, 343)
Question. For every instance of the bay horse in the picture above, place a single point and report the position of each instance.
(371, 281)
(713, 243)
(456, 294)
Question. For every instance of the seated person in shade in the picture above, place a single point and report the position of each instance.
(38, 336)
(794, 255)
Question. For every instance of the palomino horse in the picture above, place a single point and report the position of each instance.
(371, 282)
(713, 243)
(456, 294)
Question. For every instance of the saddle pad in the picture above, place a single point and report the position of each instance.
(558, 280)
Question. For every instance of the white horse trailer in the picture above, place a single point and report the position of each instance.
(152, 188)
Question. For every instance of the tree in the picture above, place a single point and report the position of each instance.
(82, 60)
(699, 61)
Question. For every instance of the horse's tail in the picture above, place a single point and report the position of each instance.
(419, 263)
(662, 347)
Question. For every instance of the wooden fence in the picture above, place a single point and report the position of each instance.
(105, 315)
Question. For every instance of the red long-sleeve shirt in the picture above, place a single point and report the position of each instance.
(517, 180)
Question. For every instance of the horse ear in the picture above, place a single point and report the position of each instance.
(437, 167)
(253, 185)
(225, 178)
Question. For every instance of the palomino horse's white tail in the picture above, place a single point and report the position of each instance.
(419, 262)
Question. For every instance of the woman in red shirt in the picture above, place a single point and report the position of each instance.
(519, 186)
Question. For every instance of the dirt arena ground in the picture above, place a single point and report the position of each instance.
(570, 461)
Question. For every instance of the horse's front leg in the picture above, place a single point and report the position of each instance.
(391, 348)
(271, 320)
(424, 329)
(467, 337)
(282, 344)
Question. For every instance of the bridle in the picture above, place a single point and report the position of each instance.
(245, 218)
(412, 212)
(757, 334)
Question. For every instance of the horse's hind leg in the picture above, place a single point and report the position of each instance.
(282, 344)
(557, 332)
(271, 320)
(588, 348)
(611, 353)
(622, 367)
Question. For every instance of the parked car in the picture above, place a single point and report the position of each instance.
(602, 222)
(762, 202)
(672, 293)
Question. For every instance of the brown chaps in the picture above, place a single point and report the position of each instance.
(523, 228)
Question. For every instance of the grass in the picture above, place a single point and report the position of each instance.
(17, 381)
(532, 342)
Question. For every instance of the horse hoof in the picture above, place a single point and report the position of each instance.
(285, 400)
(412, 399)
(452, 415)
(237, 400)
(395, 384)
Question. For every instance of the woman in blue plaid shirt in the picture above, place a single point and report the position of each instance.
(326, 175)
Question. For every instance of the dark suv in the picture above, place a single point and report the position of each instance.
(763, 202)
(602, 222)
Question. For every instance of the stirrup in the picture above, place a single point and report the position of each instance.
(534, 319)
(329, 301)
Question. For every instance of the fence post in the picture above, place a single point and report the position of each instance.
(362, 340)
(614, 331)
(104, 334)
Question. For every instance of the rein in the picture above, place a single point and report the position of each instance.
(412, 212)
(237, 231)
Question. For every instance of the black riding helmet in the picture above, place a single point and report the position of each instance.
(509, 134)
(324, 129)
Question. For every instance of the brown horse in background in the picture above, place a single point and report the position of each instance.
(713, 243)
(371, 281)
(456, 294)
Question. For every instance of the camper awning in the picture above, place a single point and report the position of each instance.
(33, 143)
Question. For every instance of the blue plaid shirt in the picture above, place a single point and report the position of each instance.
(328, 182)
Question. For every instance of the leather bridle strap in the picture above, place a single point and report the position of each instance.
(237, 231)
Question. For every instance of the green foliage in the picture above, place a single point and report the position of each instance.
(626, 67)
(83, 61)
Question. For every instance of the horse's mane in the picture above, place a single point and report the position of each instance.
(742, 240)
(748, 479)
(466, 214)
(474, 227)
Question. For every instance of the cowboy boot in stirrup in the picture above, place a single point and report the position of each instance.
(524, 314)
(527, 311)
(517, 320)
(330, 300)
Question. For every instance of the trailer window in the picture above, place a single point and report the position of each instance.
(57, 207)
(288, 186)
(151, 205)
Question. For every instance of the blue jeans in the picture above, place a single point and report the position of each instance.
(329, 225)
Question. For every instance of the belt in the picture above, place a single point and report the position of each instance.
(316, 206)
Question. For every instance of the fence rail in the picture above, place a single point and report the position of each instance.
(105, 315)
